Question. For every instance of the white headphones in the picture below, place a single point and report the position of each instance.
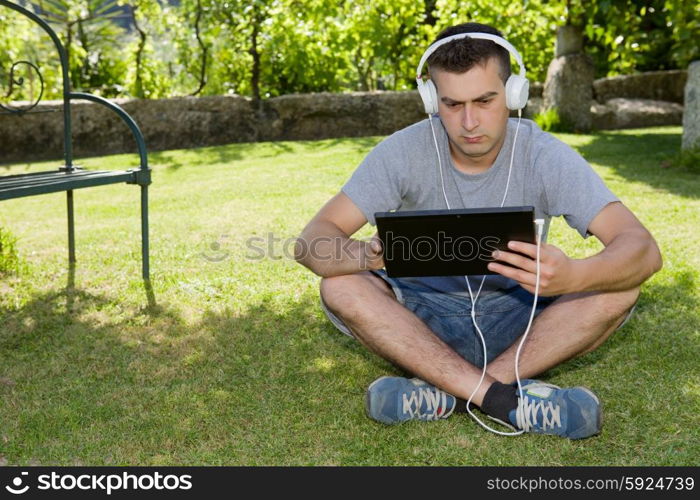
(517, 86)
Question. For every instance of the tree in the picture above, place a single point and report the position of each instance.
(147, 74)
(244, 26)
(193, 31)
(271, 47)
(91, 41)
(19, 41)
(384, 39)
(303, 49)
(530, 26)
(265, 48)
(637, 35)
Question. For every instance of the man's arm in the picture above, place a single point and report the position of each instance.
(629, 258)
(631, 255)
(325, 246)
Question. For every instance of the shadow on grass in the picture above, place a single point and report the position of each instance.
(71, 319)
(663, 324)
(71, 325)
(17, 167)
(220, 154)
(87, 383)
(241, 151)
(638, 158)
(358, 143)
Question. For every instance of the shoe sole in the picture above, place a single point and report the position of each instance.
(599, 417)
(588, 391)
(368, 397)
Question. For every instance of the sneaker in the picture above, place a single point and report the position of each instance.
(574, 412)
(392, 400)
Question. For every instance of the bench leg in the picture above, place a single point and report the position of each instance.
(144, 233)
(71, 226)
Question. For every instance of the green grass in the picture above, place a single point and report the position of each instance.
(234, 363)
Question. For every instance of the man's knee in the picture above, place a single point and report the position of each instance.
(333, 290)
(617, 305)
(352, 291)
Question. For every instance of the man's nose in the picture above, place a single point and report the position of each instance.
(469, 120)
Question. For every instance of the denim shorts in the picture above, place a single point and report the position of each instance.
(502, 316)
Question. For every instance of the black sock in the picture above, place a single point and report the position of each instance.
(461, 406)
(499, 400)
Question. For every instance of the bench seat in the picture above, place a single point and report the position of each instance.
(17, 186)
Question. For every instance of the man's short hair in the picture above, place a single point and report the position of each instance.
(459, 56)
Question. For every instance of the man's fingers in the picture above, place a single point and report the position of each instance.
(375, 245)
(516, 260)
(525, 248)
(522, 277)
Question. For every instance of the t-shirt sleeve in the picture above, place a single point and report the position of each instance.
(377, 185)
(572, 188)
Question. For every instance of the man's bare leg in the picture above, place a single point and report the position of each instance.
(368, 307)
(571, 325)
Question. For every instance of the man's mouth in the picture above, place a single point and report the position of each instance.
(473, 140)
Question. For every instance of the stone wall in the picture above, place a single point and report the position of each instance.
(188, 122)
(644, 100)
(621, 112)
(653, 85)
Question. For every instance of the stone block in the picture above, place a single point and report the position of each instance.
(691, 117)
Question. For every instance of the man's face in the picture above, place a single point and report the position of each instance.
(472, 108)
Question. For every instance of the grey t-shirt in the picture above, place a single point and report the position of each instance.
(401, 173)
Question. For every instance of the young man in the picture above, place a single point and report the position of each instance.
(423, 324)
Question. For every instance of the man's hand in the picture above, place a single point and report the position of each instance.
(374, 253)
(557, 271)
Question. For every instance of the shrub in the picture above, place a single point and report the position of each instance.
(687, 159)
(549, 120)
(9, 259)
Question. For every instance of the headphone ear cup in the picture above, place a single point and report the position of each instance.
(428, 94)
(517, 90)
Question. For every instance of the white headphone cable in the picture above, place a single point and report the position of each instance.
(437, 150)
(540, 224)
(512, 154)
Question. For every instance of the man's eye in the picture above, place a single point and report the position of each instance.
(485, 101)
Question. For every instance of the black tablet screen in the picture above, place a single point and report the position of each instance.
(450, 242)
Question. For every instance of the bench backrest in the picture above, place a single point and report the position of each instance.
(68, 94)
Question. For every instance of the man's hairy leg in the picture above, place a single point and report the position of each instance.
(369, 308)
(573, 325)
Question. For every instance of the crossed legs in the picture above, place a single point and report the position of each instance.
(572, 325)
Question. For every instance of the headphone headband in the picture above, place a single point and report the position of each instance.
(476, 35)
(516, 87)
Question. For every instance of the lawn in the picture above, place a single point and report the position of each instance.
(230, 360)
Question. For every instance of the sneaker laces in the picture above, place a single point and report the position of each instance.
(526, 413)
(435, 402)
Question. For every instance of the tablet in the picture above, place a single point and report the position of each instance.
(450, 242)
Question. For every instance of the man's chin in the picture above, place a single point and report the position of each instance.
(476, 150)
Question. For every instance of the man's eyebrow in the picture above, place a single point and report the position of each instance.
(482, 97)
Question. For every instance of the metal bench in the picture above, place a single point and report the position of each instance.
(70, 177)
